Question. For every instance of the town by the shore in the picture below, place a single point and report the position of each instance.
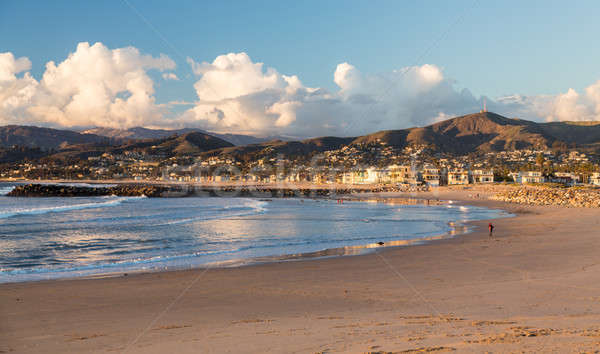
(530, 287)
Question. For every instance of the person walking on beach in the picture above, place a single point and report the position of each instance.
(491, 227)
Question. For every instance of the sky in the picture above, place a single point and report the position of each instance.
(303, 68)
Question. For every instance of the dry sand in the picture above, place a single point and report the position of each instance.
(534, 287)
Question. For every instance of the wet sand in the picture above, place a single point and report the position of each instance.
(534, 287)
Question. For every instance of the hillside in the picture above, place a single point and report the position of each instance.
(479, 133)
(286, 148)
(140, 133)
(484, 132)
(45, 138)
(191, 143)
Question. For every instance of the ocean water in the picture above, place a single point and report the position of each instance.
(46, 238)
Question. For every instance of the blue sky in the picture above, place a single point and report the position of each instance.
(491, 48)
(533, 47)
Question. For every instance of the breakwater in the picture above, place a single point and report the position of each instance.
(165, 191)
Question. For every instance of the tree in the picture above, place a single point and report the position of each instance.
(539, 160)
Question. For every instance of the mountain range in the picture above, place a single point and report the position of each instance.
(146, 133)
(479, 132)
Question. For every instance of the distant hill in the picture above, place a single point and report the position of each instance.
(188, 144)
(191, 143)
(484, 132)
(45, 138)
(479, 132)
(137, 132)
(286, 148)
(146, 133)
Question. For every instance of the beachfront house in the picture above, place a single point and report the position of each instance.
(530, 177)
(292, 177)
(358, 176)
(566, 178)
(402, 174)
(431, 176)
(595, 179)
(482, 176)
(458, 176)
(249, 178)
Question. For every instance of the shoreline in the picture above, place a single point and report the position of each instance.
(457, 228)
(529, 288)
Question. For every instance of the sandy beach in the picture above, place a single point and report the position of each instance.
(535, 286)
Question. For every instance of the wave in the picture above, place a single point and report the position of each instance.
(56, 209)
(251, 207)
(6, 190)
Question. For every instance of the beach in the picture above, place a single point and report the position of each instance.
(532, 287)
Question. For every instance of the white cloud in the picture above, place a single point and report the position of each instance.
(568, 106)
(16, 93)
(170, 76)
(10, 66)
(233, 75)
(93, 86)
(236, 94)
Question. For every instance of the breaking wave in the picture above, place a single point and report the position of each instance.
(114, 201)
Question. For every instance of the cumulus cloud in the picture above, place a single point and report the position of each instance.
(237, 94)
(568, 106)
(170, 76)
(94, 86)
(16, 92)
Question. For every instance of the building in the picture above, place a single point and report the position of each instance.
(353, 177)
(595, 179)
(431, 176)
(371, 175)
(530, 177)
(566, 178)
(482, 176)
(458, 176)
(402, 174)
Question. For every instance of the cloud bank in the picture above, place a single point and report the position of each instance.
(94, 86)
(98, 86)
(236, 94)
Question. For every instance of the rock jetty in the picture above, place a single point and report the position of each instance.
(165, 191)
(57, 190)
(568, 197)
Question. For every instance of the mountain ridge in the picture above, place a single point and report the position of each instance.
(473, 133)
(139, 133)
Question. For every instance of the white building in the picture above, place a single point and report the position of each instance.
(431, 176)
(530, 177)
(482, 176)
(458, 176)
(595, 179)
(566, 178)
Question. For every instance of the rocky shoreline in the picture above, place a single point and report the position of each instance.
(166, 191)
(56, 190)
(567, 197)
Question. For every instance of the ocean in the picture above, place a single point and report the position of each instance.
(49, 238)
